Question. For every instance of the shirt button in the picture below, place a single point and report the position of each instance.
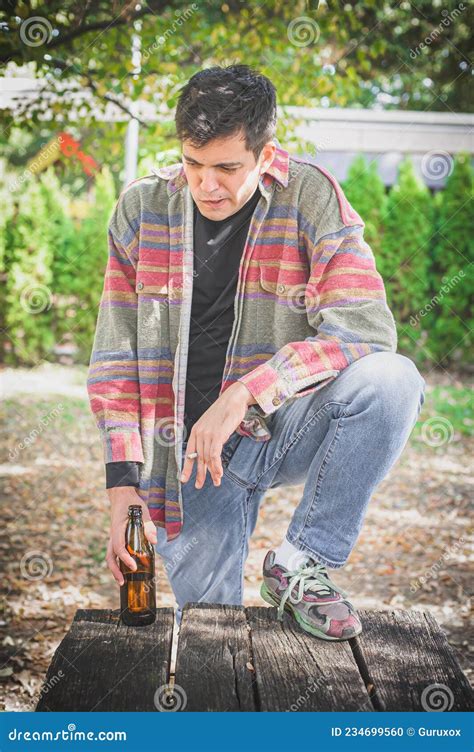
(276, 401)
(281, 288)
(140, 286)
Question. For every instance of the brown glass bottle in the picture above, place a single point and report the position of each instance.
(137, 594)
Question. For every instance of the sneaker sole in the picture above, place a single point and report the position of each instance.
(273, 600)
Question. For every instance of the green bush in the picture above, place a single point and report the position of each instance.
(64, 234)
(28, 334)
(450, 330)
(84, 268)
(366, 192)
(405, 257)
(53, 265)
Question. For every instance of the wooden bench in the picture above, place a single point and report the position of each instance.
(231, 658)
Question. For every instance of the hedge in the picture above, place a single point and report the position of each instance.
(52, 261)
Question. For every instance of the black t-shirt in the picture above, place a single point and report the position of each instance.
(218, 249)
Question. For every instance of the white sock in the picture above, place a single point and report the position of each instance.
(288, 556)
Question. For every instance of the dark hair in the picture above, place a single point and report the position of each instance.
(219, 102)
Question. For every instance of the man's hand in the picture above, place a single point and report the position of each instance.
(211, 431)
(120, 499)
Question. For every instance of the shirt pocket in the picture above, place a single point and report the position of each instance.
(152, 284)
(289, 285)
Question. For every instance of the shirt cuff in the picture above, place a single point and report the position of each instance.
(268, 388)
(122, 474)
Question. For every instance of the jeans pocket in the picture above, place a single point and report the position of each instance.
(229, 448)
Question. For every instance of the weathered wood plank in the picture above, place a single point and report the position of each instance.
(298, 672)
(102, 664)
(211, 662)
(406, 655)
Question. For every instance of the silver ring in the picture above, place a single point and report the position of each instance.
(192, 456)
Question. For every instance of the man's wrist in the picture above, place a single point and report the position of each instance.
(120, 492)
(239, 388)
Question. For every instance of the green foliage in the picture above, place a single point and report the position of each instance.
(28, 298)
(6, 202)
(451, 337)
(54, 270)
(84, 268)
(350, 54)
(366, 192)
(405, 255)
(54, 260)
(451, 403)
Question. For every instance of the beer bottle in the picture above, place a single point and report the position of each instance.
(137, 594)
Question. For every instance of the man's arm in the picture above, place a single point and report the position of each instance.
(112, 380)
(348, 310)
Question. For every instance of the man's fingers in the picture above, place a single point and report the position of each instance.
(124, 556)
(112, 564)
(209, 458)
(150, 529)
(215, 461)
(148, 524)
(188, 464)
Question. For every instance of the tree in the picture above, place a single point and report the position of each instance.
(351, 54)
(366, 192)
(28, 300)
(405, 256)
(453, 294)
(87, 267)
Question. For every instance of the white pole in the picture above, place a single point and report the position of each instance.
(133, 128)
(131, 151)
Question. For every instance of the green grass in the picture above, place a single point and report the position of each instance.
(451, 403)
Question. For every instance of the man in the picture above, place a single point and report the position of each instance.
(244, 342)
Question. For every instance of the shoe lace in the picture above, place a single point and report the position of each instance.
(306, 577)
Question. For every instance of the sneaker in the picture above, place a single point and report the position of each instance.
(319, 606)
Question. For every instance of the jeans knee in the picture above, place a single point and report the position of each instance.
(393, 382)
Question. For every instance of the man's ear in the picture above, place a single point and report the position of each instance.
(267, 156)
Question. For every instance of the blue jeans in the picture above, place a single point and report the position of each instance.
(339, 441)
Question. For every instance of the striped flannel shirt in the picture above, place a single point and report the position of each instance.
(309, 302)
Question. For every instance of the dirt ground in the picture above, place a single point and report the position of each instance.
(413, 552)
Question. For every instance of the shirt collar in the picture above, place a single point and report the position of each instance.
(278, 170)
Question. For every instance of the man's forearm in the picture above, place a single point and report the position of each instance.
(120, 474)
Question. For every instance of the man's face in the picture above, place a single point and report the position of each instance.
(223, 175)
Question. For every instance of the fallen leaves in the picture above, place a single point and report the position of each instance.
(59, 506)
